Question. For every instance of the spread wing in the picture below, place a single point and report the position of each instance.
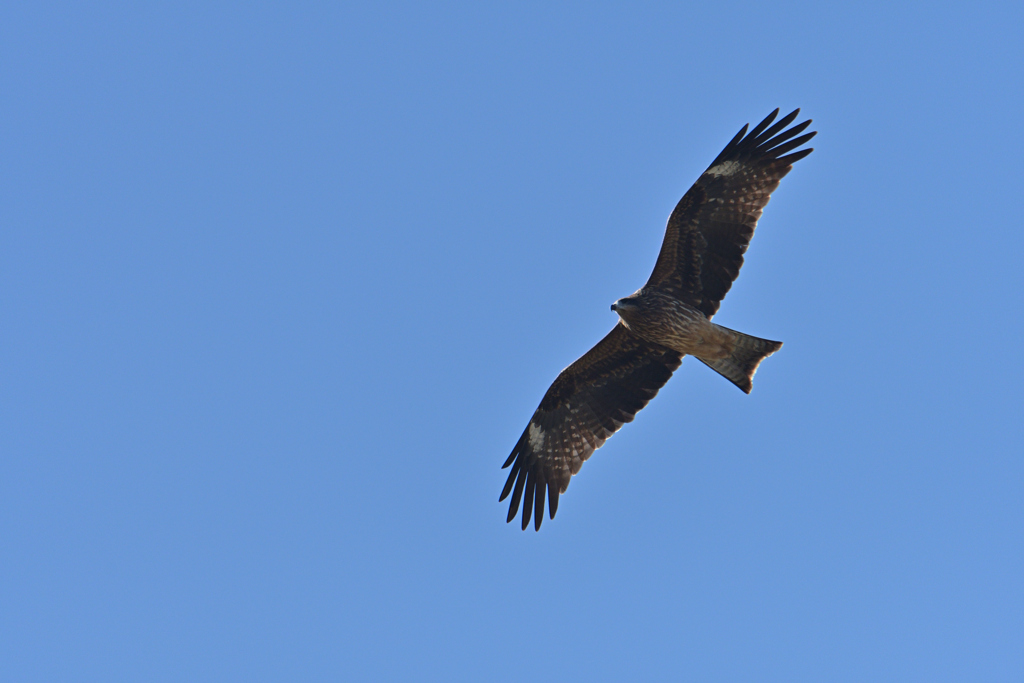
(585, 405)
(710, 228)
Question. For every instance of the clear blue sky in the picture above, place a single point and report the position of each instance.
(281, 285)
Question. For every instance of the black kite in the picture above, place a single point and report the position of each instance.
(667, 318)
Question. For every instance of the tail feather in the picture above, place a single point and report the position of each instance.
(748, 352)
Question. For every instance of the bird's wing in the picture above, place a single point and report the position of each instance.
(710, 228)
(585, 405)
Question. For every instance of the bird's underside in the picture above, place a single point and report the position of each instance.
(669, 317)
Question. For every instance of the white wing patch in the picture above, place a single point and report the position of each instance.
(725, 168)
(536, 437)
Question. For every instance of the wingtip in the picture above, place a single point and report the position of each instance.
(517, 493)
(759, 128)
(528, 494)
(507, 488)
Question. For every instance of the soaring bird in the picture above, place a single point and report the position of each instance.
(666, 319)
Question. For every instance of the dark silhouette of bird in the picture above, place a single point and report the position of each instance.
(667, 318)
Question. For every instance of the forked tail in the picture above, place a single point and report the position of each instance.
(739, 368)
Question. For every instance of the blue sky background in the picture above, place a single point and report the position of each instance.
(281, 285)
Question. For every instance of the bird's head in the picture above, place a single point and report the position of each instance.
(630, 306)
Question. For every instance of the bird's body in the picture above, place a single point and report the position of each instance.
(659, 317)
(669, 317)
(663, 319)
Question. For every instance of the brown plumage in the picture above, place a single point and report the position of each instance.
(669, 317)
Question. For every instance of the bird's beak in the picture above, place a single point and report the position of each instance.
(622, 304)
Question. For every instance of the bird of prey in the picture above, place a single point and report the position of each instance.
(666, 319)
